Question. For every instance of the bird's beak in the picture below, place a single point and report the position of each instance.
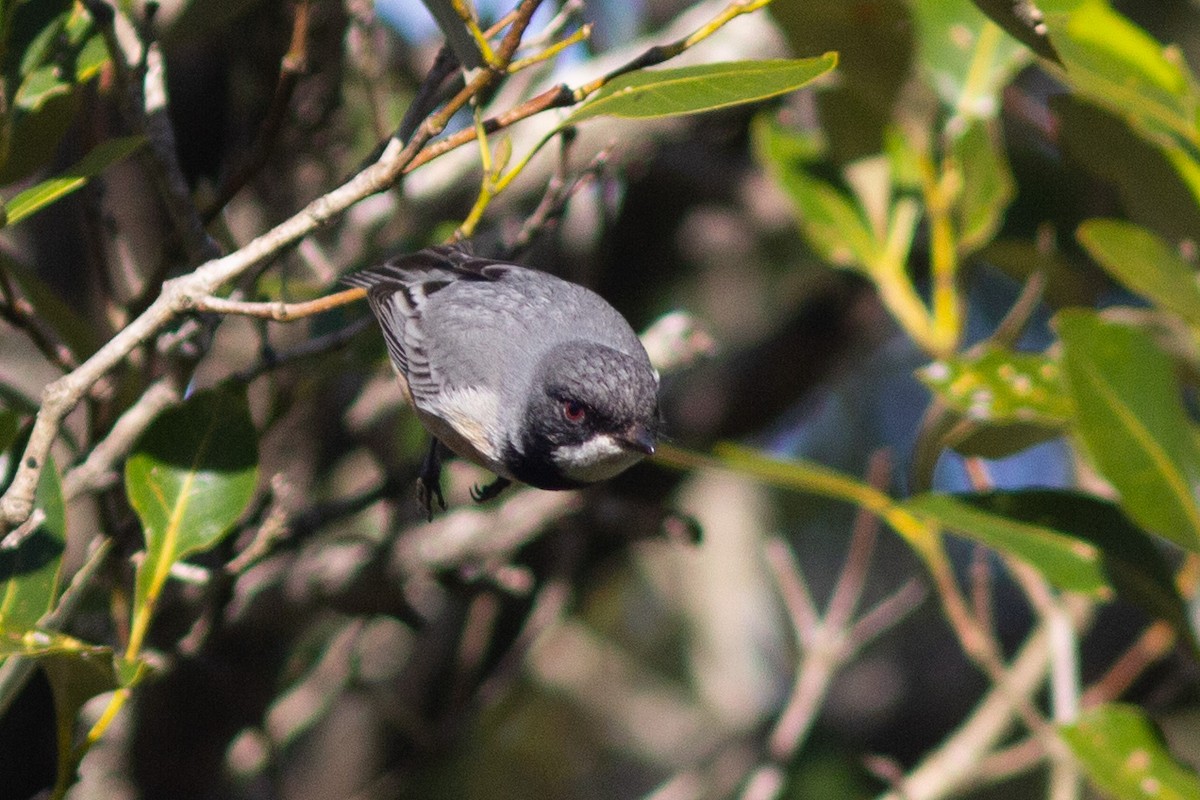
(638, 437)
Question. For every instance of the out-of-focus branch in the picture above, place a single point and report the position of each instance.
(954, 764)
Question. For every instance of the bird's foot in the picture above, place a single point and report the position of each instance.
(481, 494)
(429, 481)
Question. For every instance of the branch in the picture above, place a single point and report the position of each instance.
(182, 294)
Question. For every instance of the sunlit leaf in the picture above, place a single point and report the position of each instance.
(40, 643)
(1067, 562)
(1145, 263)
(969, 58)
(653, 93)
(1124, 755)
(190, 477)
(1000, 385)
(39, 196)
(1132, 422)
(1116, 64)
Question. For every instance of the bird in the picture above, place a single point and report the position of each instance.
(537, 379)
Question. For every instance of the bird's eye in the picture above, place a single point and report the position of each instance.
(573, 410)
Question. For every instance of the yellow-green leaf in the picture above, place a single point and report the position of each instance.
(1130, 416)
(37, 197)
(650, 93)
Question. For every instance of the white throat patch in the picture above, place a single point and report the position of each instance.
(597, 459)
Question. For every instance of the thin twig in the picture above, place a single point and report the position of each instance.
(21, 314)
(1153, 644)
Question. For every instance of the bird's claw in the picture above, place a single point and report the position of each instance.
(481, 494)
(428, 491)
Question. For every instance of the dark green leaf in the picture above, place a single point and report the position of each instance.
(987, 184)
(1125, 756)
(1151, 190)
(1113, 62)
(1001, 439)
(190, 477)
(999, 385)
(653, 93)
(1068, 563)
(874, 44)
(1132, 422)
(1145, 263)
(1023, 20)
(30, 572)
(37, 197)
(76, 678)
(1131, 561)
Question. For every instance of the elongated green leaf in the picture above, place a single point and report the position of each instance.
(190, 477)
(30, 572)
(1067, 562)
(1130, 560)
(646, 94)
(35, 198)
(1117, 64)
(1000, 385)
(833, 224)
(1145, 263)
(38, 643)
(987, 184)
(970, 58)
(1132, 423)
(1125, 757)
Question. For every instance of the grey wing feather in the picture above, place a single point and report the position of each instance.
(398, 291)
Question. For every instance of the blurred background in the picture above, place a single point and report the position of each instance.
(637, 639)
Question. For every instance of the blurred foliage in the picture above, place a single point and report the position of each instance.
(970, 238)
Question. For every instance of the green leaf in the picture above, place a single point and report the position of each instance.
(987, 184)
(1145, 263)
(998, 385)
(1151, 189)
(40, 643)
(833, 224)
(190, 477)
(1132, 422)
(37, 197)
(1067, 562)
(30, 572)
(874, 44)
(1113, 62)
(647, 94)
(1131, 562)
(1125, 756)
(970, 59)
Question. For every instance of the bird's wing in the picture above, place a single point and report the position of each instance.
(398, 291)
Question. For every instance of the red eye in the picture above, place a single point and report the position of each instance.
(574, 411)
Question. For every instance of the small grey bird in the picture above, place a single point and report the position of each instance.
(534, 378)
